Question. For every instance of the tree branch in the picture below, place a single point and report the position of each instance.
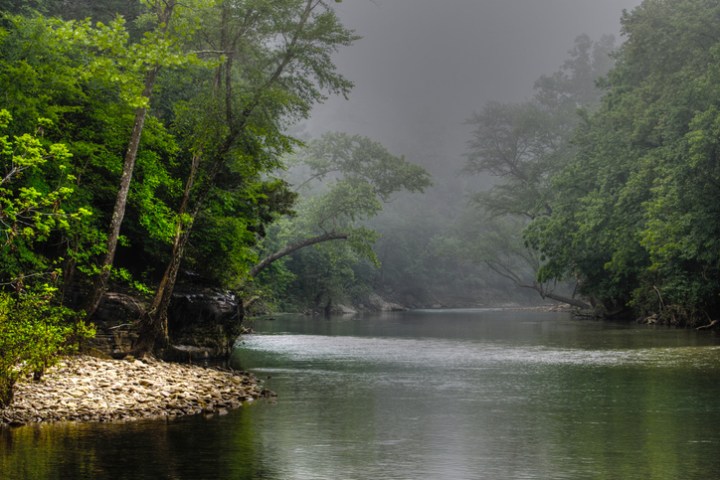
(293, 247)
(570, 301)
(505, 272)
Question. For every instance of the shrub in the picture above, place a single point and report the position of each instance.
(33, 334)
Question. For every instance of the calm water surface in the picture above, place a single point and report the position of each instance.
(464, 394)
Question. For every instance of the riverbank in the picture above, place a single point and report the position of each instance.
(88, 389)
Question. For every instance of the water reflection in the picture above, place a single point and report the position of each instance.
(189, 448)
(514, 396)
(453, 395)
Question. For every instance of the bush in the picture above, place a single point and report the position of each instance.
(33, 334)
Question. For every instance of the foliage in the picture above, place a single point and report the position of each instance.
(636, 215)
(33, 333)
(230, 227)
(355, 175)
(85, 80)
(343, 181)
(35, 182)
(525, 146)
(211, 133)
(319, 277)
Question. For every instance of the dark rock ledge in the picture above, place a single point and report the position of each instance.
(89, 389)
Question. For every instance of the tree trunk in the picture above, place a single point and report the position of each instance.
(154, 328)
(293, 247)
(121, 200)
(154, 324)
(574, 302)
(153, 331)
(506, 272)
(100, 287)
(570, 301)
(708, 326)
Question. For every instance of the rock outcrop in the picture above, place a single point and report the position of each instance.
(379, 304)
(203, 323)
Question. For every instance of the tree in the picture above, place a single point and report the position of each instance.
(343, 182)
(201, 151)
(35, 181)
(159, 48)
(524, 146)
(201, 160)
(238, 120)
(34, 332)
(635, 218)
(87, 80)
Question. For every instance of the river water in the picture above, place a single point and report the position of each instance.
(459, 394)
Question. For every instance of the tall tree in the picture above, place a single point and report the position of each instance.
(343, 181)
(524, 145)
(635, 218)
(160, 49)
(286, 49)
(78, 78)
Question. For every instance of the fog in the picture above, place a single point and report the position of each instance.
(423, 66)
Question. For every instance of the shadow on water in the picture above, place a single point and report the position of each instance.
(199, 447)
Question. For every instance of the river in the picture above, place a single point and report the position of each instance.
(455, 394)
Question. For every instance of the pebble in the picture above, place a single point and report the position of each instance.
(84, 388)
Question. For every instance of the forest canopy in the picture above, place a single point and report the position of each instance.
(145, 143)
(631, 215)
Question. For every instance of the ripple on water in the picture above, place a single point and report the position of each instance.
(465, 354)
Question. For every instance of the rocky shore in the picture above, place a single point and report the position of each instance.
(90, 389)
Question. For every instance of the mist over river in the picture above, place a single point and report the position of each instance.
(454, 394)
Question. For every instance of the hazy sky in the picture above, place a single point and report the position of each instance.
(423, 66)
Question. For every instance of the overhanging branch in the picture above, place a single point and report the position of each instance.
(505, 272)
(293, 247)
